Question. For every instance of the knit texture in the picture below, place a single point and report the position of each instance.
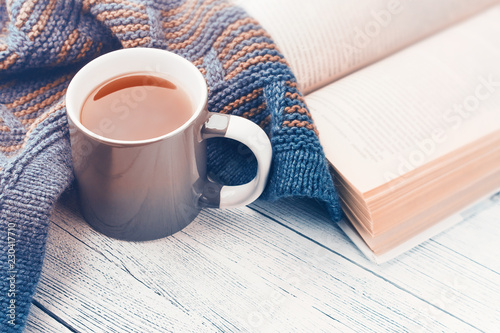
(42, 45)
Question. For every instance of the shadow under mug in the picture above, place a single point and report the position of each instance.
(148, 189)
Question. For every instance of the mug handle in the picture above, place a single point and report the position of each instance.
(251, 135)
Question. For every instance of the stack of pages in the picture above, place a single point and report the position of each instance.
(406, 98)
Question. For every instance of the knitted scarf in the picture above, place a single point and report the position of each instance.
(43, 43)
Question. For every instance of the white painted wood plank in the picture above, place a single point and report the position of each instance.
(230, 270)
(433, 272)
(477, 238)
(39, 321)
(95, 293)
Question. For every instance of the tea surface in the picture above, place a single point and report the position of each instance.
(136, 107)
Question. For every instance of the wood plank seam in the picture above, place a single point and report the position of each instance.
(121, 267)
(53, 316)
(463, 256)
(256, 209)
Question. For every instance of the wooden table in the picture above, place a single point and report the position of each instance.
(269, 267)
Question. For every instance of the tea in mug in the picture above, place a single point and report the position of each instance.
(136, 106)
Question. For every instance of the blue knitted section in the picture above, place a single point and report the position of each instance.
(42, 45)
(30, 186)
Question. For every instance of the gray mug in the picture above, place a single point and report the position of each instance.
(148, 189)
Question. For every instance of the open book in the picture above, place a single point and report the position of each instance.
(406, 97)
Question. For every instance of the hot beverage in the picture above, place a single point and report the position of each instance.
(136, 106)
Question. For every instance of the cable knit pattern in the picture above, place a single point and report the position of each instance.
(43, 43)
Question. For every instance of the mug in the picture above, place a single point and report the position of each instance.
(149, 189)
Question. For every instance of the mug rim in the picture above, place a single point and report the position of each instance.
(100, 61)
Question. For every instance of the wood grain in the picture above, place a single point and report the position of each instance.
(40, 321)
(477, 238)
(440, 272)
(231, 270)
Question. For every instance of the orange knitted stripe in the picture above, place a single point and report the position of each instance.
(25, 13)
(192, 22)
(291, 84)
(36, 93)
(119, 29)
(120, 2)
(243, 36)
(9, 61)
(86, 4)
(28, 121)
(252, 61)
(10, 149)
(123, 13)
(3, 47)
(297, 109)
(99, 48)
(67, 45)
(295, 96)
(185, 16)
(128, 3)
(3, 128)
(265, 121)
(232, 27)
(240, 101)
(44, 116)
(42, 21)
(199, 30)
(246, 50)
(179, 9)
(41, 105)
(85, 49)
(13, 148)
(298, 123)
(136, 42)
(254, 111)
(198, 62)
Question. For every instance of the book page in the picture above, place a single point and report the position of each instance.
(323, 40)
(417, 105)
